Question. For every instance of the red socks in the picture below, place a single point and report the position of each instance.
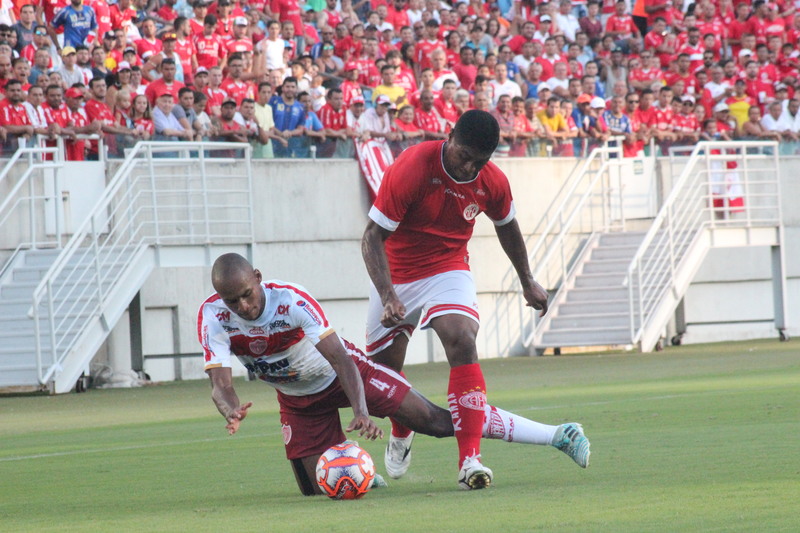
(466, 398)
(398, 429)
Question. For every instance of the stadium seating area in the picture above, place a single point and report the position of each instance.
(308, 79)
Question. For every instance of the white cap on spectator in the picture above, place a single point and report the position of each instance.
(745, 52)
(722, 106)
(687, 98)
(200, 70)
(383, 99)
(545, 18)
(240, 21)
(598, 102)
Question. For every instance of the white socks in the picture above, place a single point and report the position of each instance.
(499, 424)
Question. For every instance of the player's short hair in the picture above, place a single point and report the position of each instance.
(478, 130)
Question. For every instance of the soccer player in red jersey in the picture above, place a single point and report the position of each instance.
(277, 329)
(415, 250)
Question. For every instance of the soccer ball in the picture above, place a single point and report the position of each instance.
(345, 471)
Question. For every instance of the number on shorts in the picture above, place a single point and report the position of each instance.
(378, 384)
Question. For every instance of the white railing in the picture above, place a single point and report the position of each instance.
(163, 194)
(583, 212)
(25, 199)
(706, 195)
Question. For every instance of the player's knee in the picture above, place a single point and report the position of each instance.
(440, 423)
(460, 346)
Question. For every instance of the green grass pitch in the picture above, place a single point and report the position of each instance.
(695, 438)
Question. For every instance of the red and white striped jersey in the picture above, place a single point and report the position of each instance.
(279, 346)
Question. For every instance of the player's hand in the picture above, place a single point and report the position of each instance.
(536, 297)
(236, 417)
(366, 428)
(393, 313)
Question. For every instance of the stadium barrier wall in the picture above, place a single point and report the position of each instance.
(309, 220)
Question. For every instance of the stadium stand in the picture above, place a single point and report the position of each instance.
(731, 68)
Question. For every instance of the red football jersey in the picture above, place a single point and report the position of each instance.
(210, 50)
(428, 120)
(432, 215)
(13, 115)
(238, 90)
(332, 119)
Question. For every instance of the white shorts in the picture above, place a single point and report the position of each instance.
(448, 293)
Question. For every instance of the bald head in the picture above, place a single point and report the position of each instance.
(239, 285)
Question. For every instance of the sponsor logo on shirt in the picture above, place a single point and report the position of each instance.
(451, 192)
(282, 310)
(309, 311)
(257, 331)
(278, 324)
(471, 211)
(230, 329)
(224, 316)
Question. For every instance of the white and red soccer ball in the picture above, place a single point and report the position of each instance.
(345, 471)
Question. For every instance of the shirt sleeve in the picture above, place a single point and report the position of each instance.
(213, 338)
(307, 314)
(500, 207)
(399, 189)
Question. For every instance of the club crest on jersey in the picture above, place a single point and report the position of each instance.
(473, 400)
(471, 211)
(258, 346)
(286, 429)
(309, 311)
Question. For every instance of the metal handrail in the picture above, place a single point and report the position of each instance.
(37, 161)
(566, 211)
(128, 217)
(687, 210)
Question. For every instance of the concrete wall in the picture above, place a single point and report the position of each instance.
(309, 219)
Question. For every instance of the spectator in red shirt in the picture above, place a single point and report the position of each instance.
(427, 119)
(97, 111)
(236, 88)
(166, 83)
(166, 14)
(148, 44)
(620, 26)
(289, 11)
(333, 116)
(211, 50)
(431, 42)
(445, 104)
(465, 69)
(13, 118)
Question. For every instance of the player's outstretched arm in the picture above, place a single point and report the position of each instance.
(226, 399)
(331, 348)
(374, 253)
(513, 245)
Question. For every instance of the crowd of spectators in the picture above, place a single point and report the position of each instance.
(295, 80)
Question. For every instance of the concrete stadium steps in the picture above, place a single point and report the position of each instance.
(595, 307)
(18, 365)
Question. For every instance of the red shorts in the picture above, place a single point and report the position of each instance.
(311, 424)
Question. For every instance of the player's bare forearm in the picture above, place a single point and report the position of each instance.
(222, 392)
(331, 349)
(513, 245)
(374, 253)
